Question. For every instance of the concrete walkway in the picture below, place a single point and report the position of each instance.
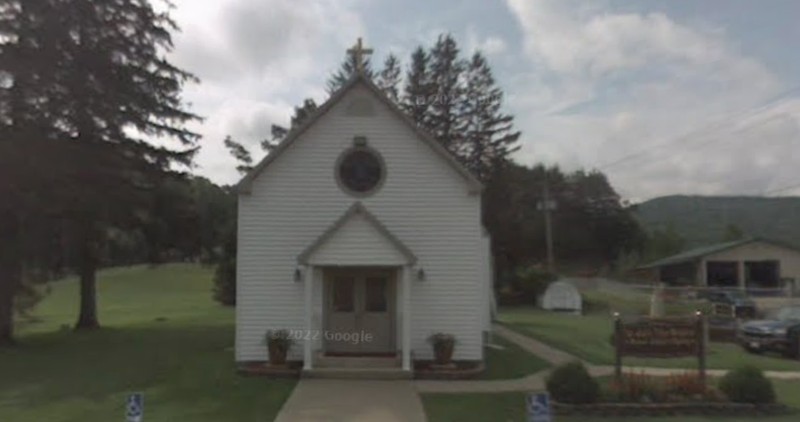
(353, 400)
(555, 357)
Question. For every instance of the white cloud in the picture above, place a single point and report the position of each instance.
(256, 59)
(601, 85)
(490, 45)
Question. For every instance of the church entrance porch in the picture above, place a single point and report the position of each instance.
(359, 309)
(360, 320)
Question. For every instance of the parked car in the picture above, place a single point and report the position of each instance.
(780, 332)
(734, 303)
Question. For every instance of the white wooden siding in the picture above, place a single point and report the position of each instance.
(355, 240)
(423, 201)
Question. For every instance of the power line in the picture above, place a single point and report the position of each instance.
(691, 135)
(781, 189)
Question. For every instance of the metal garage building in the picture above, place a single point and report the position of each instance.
(751, 264)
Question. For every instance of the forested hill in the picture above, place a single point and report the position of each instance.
(707, 219)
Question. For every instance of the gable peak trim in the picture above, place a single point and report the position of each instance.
(245, 184)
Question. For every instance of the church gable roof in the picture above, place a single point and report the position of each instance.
(366, 232)
(245, 185)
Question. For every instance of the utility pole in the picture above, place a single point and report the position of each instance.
(547, 205)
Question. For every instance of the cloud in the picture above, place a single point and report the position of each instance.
(603, 84)
(491, 45)
(256, 59)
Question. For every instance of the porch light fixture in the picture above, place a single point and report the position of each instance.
(420, 274)
(298, 275)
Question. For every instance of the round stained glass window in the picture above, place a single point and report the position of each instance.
(360, 171)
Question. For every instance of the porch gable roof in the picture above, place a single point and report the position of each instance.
(378, 230)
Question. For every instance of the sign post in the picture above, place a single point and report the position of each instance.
(134, 408)
(660, 338)
(538, 407)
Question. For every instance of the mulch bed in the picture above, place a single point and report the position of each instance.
(458, 370)
(263, 369)
(670, 409)
(422, 370)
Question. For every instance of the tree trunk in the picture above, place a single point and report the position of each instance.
(6, 312)
(10, 274)
(87, 265)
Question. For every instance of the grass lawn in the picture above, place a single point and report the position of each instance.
(510, 362)
(588, 338)
(511, 407)
(162, 335)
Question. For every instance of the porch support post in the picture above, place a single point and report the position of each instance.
(702, 273)
(741, 275)
(308, 280)
(407, 318)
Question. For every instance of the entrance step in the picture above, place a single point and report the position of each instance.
(359, 373)
(358, 362)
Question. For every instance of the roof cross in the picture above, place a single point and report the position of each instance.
(358, 52)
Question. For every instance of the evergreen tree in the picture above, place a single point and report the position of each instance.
(301, 114)
(243, 158)
(346, 70)
(445, 120)
(103, 87)
(115, 76)
(418, 90)
(25, 161)
(489, 138)
(389, 78)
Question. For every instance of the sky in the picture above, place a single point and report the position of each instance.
(664, 96)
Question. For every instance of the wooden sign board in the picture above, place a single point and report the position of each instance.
(660, 338)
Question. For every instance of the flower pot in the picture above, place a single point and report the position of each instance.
(443, 352)
(277, 354)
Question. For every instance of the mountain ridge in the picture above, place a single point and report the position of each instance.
(703, 220)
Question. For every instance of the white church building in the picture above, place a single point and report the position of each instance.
(362, 235)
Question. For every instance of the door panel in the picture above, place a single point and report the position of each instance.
(341, 315)
(376, 316)
(359, 311)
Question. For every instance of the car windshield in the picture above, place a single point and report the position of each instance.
(787, 314)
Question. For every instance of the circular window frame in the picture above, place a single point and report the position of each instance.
(343, 186)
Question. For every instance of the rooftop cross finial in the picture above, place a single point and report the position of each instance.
(358, 52)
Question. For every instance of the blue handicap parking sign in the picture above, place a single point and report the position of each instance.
(134, 408)
(538, 407)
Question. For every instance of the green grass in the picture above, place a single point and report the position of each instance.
(634, 303)
(479, 407)
(588, 337)
(162, 335)
(510, 362)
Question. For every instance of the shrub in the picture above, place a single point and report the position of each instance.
(571, 383)
(533, 281)
(747, 384)
(225, 282)
(225, 275)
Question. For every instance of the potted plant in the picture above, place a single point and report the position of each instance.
(278, 344)
(443, 345)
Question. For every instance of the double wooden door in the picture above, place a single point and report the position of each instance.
(359, 311)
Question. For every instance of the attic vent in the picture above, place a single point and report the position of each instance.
(361, 106)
